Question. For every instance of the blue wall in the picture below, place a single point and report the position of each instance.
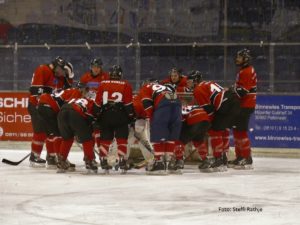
(276, 122)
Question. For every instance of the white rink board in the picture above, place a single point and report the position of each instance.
(40, 196)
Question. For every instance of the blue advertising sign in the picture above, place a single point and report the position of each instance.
(276, 122)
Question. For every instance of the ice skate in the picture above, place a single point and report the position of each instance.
(104, 165)
(244, 164)
(72, 166)
(62, 165)
(218, 165)
(156, 168)
(233, 163)
(36, 161)
(175, 166)
(225, 159)
(91, 166)
(51, 161)
(205, 166)
(123, 165)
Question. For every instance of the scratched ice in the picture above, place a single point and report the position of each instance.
(269, 194)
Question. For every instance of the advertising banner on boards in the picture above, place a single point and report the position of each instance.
(276, 122)
(15, 122)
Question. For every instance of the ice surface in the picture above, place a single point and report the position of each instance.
(40, 196)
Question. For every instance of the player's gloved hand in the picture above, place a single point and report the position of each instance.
(231, 89)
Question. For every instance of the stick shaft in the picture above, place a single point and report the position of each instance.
(6, 161)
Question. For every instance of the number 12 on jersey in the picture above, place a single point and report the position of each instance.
(111, 97)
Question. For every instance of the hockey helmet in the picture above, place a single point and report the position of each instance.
(196, 76)
(59, 61)
(115, 72)
(245, 56)
(96, 62)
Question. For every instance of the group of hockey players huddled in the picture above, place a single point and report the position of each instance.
(104, 117)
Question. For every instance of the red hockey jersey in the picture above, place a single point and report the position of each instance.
(138, 107)
(84, 106)
(114, 91)
(245, 87)
(193, 114)
(93, 82)
(181, 85)
(207, 94)
(56, 100)
(45, 81)
(151, 95)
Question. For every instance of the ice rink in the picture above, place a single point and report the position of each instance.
(269, 194)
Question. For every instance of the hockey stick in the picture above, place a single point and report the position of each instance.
(145, 143)
(189, 155)
(6, 161)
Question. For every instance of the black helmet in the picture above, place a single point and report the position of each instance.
(195, 75)
(59, 61)
(96, 62)
(246, 55)
(115, 72)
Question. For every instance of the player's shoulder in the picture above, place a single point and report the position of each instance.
(183, 78)
(44, 67)
(247, 70)
(43, 71)
(86, 76)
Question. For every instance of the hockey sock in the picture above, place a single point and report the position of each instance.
(65, 148)
(237, 145)
(179, 150)
(242, 142)
(38, 142)
(122, 147)
(159, 149)
(104, 147)
(50, 146)
(202, 149)
(225, 136)
(96, 137)
(170, 147)
(57, 143)
(88, 149)
(216, 141)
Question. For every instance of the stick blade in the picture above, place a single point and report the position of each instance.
(6, 161)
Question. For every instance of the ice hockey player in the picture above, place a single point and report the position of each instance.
(48, 107)
(140, 132)
(94, 76)
(195, 125)
(75, 119)
(92, 79)
(163, 109)
(245, 89)
(46, 79)
(114, 99)
(223, 106)
(177, 80)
